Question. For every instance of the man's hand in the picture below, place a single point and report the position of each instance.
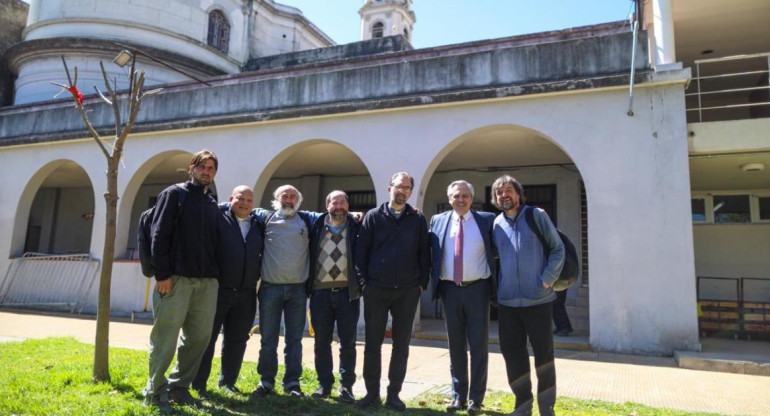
(163, 287)
(546, 285)
(358, 216)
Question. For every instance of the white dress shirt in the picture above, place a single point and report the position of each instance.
(474, 254)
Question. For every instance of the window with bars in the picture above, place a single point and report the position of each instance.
(361, 201)
(219, 31)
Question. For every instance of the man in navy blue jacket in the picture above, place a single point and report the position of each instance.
(239, 254)
(186, 272)
(462, 276)
(392, 262)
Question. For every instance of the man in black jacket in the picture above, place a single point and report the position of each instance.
(334, 294)
(239, 254)
(186, 272)
(393, 263)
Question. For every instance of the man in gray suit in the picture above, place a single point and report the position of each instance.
(462, 276)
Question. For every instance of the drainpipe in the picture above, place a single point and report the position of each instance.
(635, 18)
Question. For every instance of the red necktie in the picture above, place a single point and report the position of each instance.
(458, 272)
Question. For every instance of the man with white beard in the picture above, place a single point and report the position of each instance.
(285, 268)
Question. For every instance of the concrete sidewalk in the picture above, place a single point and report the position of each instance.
(653, 381)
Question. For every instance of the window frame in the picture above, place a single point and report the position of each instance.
(708, 198)
(217, 18)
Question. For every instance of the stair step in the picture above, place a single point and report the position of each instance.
(583, 291)
(577, 311)
(581, 302)
(579, 324)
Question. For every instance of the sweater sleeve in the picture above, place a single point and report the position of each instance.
(363, 246)
(556, 251)
(162, 230)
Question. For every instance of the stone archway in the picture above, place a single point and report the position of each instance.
(551, 179)
(56, 211)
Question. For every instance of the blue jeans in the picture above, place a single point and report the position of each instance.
(274, 301)
(328, 306)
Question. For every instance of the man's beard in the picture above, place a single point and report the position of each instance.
(339, 215)
(286, 210)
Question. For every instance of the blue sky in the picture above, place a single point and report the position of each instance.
(443, 22)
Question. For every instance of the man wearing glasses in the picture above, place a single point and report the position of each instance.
(392, 263)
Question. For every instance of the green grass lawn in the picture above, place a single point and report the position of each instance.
(53, 377)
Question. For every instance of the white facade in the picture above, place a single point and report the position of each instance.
(175, 27)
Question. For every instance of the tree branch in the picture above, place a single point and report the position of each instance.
(115, 104)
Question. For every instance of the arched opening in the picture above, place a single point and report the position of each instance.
(219, 31)
(378, 30)
(550, 178)
(61, 213)
(316, 168)
(156, 174)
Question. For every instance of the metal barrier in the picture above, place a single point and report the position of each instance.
(730, 88)
(57, 281)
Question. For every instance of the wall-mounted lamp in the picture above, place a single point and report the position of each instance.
(753, 167)
(87, 217)
(125, 56)
(181, 170)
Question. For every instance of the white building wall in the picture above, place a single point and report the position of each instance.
(635, 171)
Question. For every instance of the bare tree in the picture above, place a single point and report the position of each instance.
(112, 153)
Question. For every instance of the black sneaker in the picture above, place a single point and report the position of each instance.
(371, 399)
(394, 403)
(346, 395)
(293, 391)
(182, 396)
(261, 392)
(322, 393)
(202, 394)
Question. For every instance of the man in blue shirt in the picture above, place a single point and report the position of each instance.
(525, 296)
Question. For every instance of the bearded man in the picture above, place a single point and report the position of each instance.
(285, 270)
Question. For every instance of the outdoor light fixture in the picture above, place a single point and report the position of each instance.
(181, 170)
(123, 58)
(753, 167)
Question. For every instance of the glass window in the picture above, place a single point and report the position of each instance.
(219, 31)
(764, 207)
(698, 209)
(731, 209)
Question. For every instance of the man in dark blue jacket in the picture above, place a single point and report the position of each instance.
(186, 272)
(239, 254)
(334, 294)
(393, 263)
(462, 276)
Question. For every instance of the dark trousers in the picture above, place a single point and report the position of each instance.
(402, 305)
(466, 315)
(328, 306)
(235, 316)
(560, 317)
(516, 325)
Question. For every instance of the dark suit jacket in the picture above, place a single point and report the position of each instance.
(439, 225)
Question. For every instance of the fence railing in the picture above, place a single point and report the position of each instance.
(729, 88)
(49, 281)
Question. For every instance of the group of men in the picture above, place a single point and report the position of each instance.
(209, 258)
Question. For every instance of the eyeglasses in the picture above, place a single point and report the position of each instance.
(403, 188)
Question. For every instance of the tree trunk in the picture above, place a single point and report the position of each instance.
(102, 341)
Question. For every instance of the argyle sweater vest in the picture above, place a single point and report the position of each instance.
(332, 262)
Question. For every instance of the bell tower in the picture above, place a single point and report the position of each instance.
(380, 18)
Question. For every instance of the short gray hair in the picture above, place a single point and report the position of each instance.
(329, 197)
(282, 188)
(457, 183)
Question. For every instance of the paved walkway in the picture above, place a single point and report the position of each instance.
(654, 381)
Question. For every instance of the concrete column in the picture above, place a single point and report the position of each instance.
(663, 29)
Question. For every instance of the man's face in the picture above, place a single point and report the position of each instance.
(400, 190)
(507, 197)
(242, 202)
(288, 199)
(461, 199)
(204, 173)
(337, 206)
